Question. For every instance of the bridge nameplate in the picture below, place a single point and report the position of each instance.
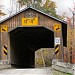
(29, 21)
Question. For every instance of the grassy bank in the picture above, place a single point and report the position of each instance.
(55, 72)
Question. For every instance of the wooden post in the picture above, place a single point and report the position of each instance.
(9, 48)
(0, 42)
(58, 44)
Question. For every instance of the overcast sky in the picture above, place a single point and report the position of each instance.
(62, 6)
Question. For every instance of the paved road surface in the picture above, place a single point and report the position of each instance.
(35, 71)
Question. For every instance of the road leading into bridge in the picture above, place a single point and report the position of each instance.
(30, 71)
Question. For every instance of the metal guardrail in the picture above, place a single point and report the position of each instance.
(64, 67)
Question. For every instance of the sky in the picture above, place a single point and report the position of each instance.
(62, 6)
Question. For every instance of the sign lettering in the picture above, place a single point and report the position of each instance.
(29, 21)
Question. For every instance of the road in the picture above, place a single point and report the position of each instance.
(30, 71)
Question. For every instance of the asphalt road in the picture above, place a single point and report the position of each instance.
(30, 71)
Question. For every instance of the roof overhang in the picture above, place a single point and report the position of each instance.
(34, 10)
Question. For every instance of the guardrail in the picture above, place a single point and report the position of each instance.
(63, 66)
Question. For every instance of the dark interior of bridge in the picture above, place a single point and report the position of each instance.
(24, 41)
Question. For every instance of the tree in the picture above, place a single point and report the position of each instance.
(43, 57)
(48, 7)
(23, 2)
(71, 35)
(1, 13)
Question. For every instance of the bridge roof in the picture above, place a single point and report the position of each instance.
(34, 10)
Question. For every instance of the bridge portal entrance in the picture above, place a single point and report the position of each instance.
(24, 41)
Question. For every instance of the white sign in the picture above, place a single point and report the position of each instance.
(57, 40)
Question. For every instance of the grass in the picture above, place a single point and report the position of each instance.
(55, 72)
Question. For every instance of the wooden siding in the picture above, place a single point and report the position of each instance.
(17, 21)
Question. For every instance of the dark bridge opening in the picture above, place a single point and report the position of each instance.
(24, 41)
